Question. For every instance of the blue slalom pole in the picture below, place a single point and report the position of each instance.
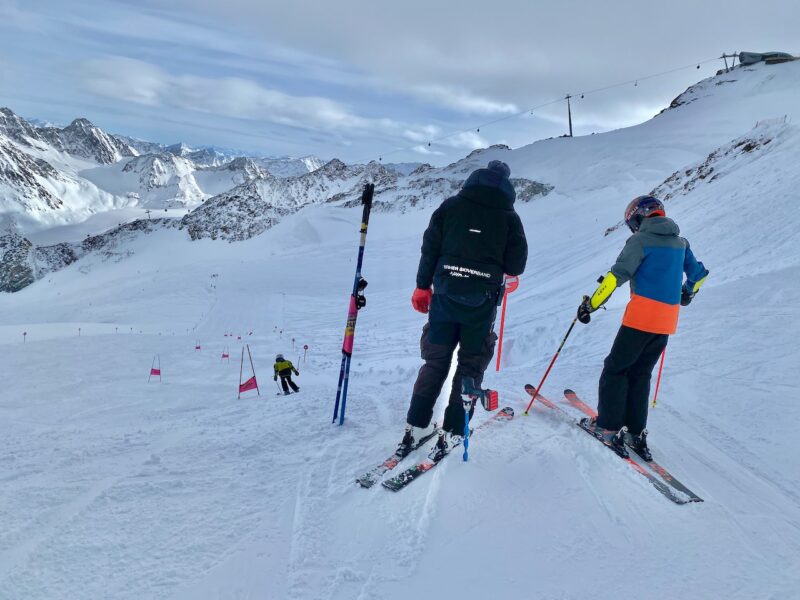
(468, 392)
(467, 406)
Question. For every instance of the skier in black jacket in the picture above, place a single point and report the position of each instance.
(473, 239)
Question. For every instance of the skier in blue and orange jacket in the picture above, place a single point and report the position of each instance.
(654, 260)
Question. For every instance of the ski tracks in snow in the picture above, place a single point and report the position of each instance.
(333, 557)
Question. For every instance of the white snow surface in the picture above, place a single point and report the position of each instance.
(114, 487)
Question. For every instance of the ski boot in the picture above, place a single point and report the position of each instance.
(414, 434)
(446, 442)
(614, 439)
(618, 443)
(638, 443)
(408, 438)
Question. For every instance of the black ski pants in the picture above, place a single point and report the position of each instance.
(470, 328)
(625, 381)
(286, 381)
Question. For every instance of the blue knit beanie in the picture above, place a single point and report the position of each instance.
(498, 166)
(495, 175)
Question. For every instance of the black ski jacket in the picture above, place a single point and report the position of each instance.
(474, 238)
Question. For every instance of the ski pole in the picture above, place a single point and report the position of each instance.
(467, 407)
(658, 380)
(552, 362)
(468, 392)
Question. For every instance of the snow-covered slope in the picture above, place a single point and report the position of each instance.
(251, 208)
(114, 487)
(152, 180)
(37, 194)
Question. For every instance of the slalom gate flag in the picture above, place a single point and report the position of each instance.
(512, 283)
(250, 384)
(155, 368)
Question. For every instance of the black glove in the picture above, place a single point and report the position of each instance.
(274, 378)
(296, 372)
(686, 297)
(585, 311)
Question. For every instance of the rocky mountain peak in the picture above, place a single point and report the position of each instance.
(16, 260)
(333, 166)
(81, 124)
(84, 139)
(179, 149)
(17, 128)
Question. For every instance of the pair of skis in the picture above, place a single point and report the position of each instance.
(435, 456)
(657, 475)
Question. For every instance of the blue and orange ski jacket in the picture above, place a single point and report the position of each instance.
(654, 260)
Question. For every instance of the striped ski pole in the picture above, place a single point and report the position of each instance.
(552, 362)
(357, 302)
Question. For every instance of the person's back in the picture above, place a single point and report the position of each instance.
(473, 239)
(654, 261)
(284, 369)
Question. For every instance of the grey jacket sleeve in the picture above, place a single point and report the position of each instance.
(628, 260)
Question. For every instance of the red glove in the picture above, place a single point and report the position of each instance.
(421, 300)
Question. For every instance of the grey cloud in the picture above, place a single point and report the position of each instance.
(136, 81)
(515, 52)
(355, 78)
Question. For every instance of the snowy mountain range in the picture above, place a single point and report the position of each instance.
(119, 487)
(62, 175)
(53, 176)
(57, 176)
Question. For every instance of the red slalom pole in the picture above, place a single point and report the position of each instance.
(500, 338)
(511, 283)
(552, 362)
(658, 380)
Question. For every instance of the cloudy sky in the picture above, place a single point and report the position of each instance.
(406, 81)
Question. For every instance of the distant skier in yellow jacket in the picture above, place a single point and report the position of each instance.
(284, 369)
